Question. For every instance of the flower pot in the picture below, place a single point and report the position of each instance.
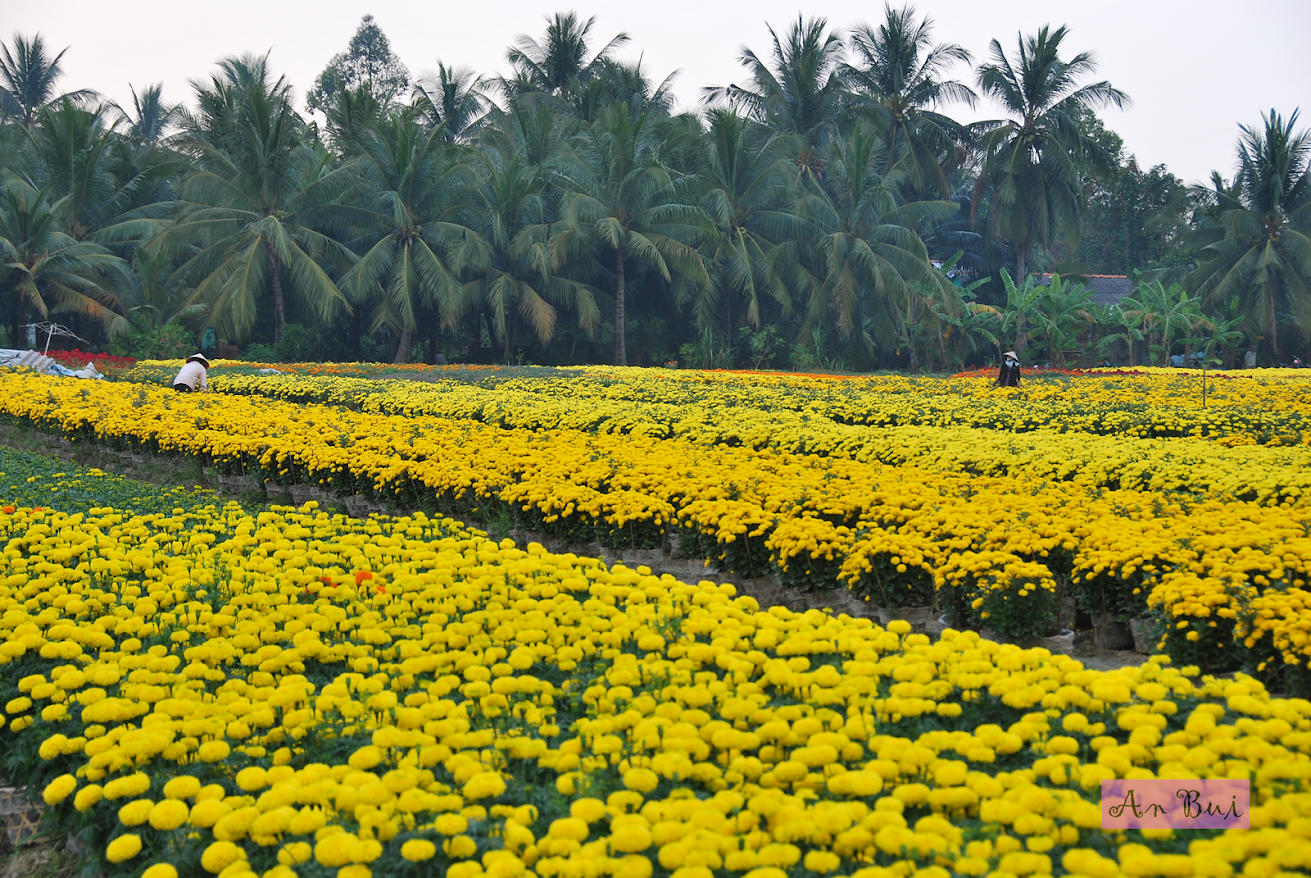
(1110, 633)
(232, 484)
(1062, 642)
(302, 494)
(918, 617)
(1143, 641)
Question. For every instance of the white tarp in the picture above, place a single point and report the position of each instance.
(44, 365)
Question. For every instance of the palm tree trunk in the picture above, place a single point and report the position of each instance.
(404, 345)
(621, 351)
(355, 333)
(16, 320)
(1021, 264)
(279, 309)
(1274, 324)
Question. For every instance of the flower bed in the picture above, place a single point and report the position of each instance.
(813, 414)
(106, 364)
(1220, 576)
(291, 693)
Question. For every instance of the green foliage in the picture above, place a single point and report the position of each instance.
(29, 479)
(791, 225)
(368, 61)
(168, 342)
(297, 346)
(1258, 242)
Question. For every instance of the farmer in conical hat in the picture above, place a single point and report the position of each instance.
(1010, 370)
(191, 377)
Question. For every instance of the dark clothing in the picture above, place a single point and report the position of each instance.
(181, 388)
(1009, 376)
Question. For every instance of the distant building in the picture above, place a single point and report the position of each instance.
(1107, 289)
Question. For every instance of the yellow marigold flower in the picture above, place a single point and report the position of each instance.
(252, 779)
(460, 847)
(213, 751)
(630, 839)
(59, 789)
(183, 786)
(335, 850)
(641, 780)
(125, 787)
(135, 813)
(123, 848)
(484, 785)
(161, 870)
(416, 850)
(365, 758)
(295, 852)
(87, 797)
(822, 861)
(307, 821)
(588, 810)
(237, 825)
(168, 814)
(569, 827)
(207, 812)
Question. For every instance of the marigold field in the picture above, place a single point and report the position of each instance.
(201, 687)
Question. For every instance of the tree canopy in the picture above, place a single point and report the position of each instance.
(826, 210)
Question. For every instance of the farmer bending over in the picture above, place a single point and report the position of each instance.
(191, 377)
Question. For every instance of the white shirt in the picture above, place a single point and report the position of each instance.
(192, 374)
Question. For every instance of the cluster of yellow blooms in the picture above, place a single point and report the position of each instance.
(294, 693)
(1220, 458)
(815, 414)
(1218, 570)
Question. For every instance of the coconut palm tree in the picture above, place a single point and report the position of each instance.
(46, 270)
(453, 99)
(516, 270)
(28, 75)
(114, 189)
(409, 224)
(799, 89)
(258, 206)
(898, 79)
(1029, 172)
(1260, 247)
(616, 81)
(150, 115)
(745, 190)
(871, 272)
(561, 62)
(620, 198)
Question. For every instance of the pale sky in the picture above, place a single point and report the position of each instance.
(1195, 69)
